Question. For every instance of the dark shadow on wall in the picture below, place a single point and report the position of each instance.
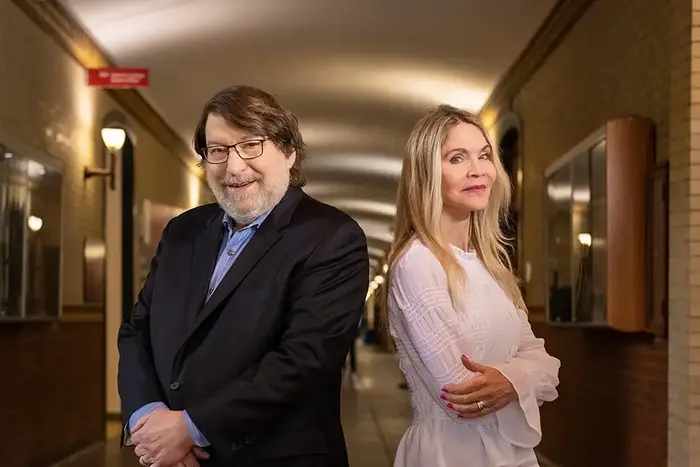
(509, 148)
(128, 181)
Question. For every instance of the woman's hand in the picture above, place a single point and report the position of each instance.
(483, 394)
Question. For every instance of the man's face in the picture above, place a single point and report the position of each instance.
(245, 188)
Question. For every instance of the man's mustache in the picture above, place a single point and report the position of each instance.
(237, 181)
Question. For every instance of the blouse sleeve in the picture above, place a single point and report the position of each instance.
(421, 311)
(535, 376)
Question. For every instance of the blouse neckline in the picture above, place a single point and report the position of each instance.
(469, 254)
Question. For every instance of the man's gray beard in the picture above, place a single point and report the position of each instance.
(267, 198)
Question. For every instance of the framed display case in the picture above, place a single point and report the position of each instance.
(595, 228)
(30, 237)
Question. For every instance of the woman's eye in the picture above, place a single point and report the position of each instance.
(456, 159)
(485, 156)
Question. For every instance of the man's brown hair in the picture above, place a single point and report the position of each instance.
(256, 112)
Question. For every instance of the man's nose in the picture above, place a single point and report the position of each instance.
(235, 163)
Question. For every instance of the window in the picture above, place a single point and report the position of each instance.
(596, 224)
(30, 237)
(576, 238)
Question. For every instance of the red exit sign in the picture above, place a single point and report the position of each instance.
(122, 78)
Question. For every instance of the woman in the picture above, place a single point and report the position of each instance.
(477, 373)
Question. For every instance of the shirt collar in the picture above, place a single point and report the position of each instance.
(229, 223)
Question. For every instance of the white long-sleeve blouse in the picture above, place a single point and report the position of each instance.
(431, 336)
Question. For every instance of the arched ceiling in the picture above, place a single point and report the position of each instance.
(357, 73)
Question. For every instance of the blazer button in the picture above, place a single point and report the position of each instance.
(174, 386)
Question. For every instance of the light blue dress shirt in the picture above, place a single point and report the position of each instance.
(232, 245)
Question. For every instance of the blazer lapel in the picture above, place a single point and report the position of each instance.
(267, 235)
(205, 254)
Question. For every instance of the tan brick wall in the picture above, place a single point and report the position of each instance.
(684, 221)
(618, 59)
(47, 110)
(46, 105)
(613, 62)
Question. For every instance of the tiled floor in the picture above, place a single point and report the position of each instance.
(375, 415)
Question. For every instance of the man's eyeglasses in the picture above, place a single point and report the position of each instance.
(219, 153)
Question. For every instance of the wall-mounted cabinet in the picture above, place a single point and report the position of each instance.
(596, 228)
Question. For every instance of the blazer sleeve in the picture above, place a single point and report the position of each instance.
(137, 381)
(326, 301)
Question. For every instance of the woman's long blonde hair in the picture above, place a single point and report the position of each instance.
(419, 206)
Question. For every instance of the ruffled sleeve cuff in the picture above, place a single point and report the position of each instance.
(519, 422)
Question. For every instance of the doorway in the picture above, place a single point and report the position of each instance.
(119, 241)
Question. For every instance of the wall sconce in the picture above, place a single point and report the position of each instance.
(585, 239)
(34, 223)
(113, 137)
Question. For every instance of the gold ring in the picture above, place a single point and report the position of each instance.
(480, 406)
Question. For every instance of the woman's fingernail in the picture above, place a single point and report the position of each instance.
(449, 405)
(444, 389)
(459, 415)
(442, 396)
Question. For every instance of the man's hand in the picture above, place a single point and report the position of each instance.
(162, 440)
(483, 394)
(191, 459)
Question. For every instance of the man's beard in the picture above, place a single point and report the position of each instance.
(252, 203)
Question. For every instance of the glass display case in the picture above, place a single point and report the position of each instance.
(30, 237)
(595, 228)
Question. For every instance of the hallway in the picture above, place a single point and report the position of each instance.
(375, 415)
(592, 107)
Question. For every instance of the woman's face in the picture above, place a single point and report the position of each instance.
(468, 171)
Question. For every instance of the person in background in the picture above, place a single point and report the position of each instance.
(477, 373)
(233, 353)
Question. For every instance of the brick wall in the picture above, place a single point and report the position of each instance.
(611, 410)
(614, 61)
(684, 221)
(52, 396)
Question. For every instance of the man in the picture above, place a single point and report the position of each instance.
(234, 350)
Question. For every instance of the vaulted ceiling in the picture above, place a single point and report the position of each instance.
(357, 73)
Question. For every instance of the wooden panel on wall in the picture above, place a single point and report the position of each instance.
(630, 153)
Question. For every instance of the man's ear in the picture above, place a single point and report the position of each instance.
(291, 158)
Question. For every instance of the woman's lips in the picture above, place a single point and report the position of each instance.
(476, 189)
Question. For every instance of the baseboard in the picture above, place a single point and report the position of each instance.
(73, 459)
(544, 462)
